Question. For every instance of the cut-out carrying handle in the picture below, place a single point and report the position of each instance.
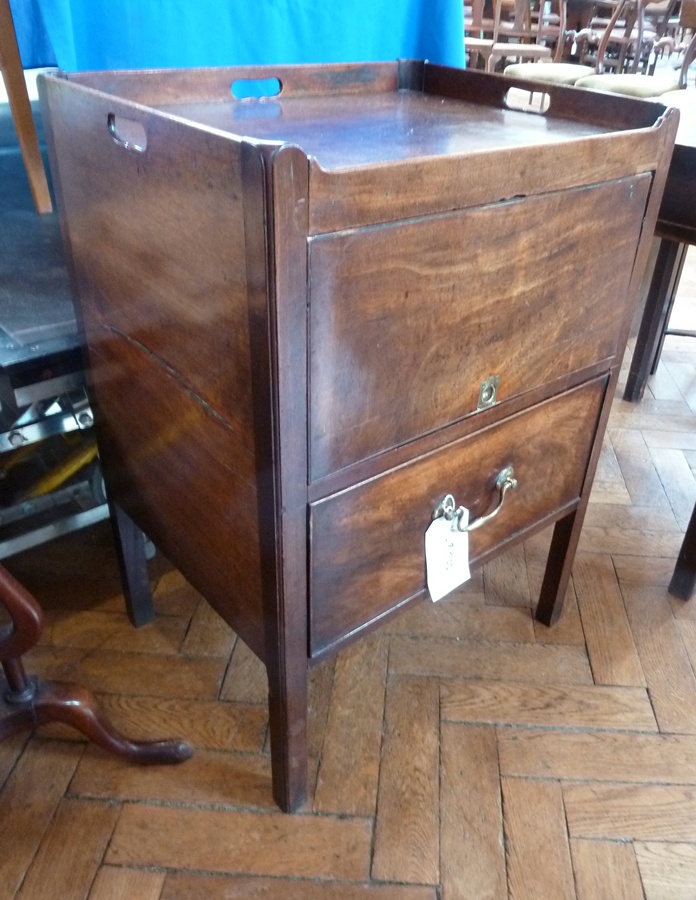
(538, 100)
(256, 88)
(127, 133)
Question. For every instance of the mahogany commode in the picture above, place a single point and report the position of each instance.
(311, 316)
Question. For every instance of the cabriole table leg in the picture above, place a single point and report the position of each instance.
(29, 702)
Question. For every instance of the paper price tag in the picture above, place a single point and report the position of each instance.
(446, 555)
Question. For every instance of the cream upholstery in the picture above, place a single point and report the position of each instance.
(631, 84)
(680, 99)
(555, 73)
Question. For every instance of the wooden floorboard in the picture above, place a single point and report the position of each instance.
(460, 751)
(535, 830)
(610, 645)
(241, 842)
(71, 851)
(407, 827)
(605, 869)
(350, 759)
(668, 869)
(113, 883)
(472, 848)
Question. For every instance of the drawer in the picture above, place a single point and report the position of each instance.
(407, 320)
(366, 543)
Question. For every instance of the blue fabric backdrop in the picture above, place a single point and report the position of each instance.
(34, 44)
(81, 35)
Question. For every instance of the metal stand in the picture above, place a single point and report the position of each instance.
(35, 410)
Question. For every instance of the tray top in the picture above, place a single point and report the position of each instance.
(355, 130)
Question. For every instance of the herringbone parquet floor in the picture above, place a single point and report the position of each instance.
(463, 751)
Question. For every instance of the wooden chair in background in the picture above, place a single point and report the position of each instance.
(478, 34)
(619, 38)
(661, 17)
(20, 107)
(687, 17)
(523, 34)
(663, 84)
(554, 67)
(667, 86)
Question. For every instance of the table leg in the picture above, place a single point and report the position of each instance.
(684, 576)
(129, 542)
(32, 702)
(287, 706)
(566, 534)
(658, 306)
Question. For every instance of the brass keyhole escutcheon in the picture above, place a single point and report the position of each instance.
(488, 394)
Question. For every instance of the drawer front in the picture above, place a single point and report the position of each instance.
(408, 320)
(367, 542)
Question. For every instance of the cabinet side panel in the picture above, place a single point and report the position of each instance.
(180, 472)
(157, 240)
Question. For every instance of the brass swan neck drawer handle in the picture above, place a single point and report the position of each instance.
(448, 508)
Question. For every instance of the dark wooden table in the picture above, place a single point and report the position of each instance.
(676, 230)
(26, 702)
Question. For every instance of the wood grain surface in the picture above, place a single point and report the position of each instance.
(534, 825)
(248, 369)
(388, 334)
(367, 543)
(407, 838)
(426, 778)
